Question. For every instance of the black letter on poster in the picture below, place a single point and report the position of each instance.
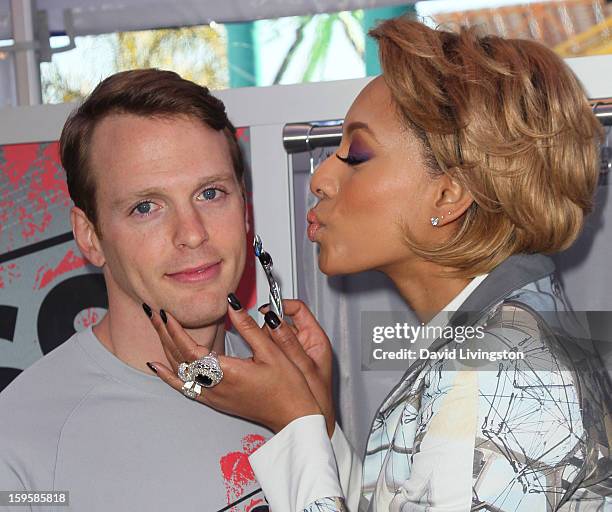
(63, 303)
(8, 322)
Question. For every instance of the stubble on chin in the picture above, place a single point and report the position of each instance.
(194, 318)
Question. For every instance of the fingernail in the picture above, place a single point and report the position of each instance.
(272, 319)
(162, 313)
(152, 367)
(266, 305)
(234, 302)
(265, 258)
(147, 309)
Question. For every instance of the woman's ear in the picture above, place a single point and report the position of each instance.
(451, 201)
(86, 237)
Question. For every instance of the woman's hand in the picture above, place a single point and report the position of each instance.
(268, 388)
(313, 356)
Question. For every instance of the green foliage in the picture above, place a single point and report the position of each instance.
(319, 49)
(196, 53)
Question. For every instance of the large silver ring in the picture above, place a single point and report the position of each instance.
(191, 389)
(205, 371)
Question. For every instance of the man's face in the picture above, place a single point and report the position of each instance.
(168, 201)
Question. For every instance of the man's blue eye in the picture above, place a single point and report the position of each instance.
(210, 193)
(145, 211)
(144, 208)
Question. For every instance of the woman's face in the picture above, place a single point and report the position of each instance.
(373, 187)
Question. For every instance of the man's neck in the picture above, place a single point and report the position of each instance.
(135, 341)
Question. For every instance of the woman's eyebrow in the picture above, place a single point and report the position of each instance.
(359, 125)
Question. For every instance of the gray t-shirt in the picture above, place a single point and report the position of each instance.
(81, 420)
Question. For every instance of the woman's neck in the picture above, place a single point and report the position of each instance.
(426, 287)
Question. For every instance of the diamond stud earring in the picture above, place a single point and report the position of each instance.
(435, 221)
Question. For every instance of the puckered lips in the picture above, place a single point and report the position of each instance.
(314, 225)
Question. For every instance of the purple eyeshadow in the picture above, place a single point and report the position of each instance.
(359, 153)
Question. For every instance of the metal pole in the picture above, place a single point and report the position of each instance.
(301, 137)
(8, 95)
(27, 67)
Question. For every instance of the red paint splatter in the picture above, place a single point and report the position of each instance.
(251, 442)
(11, 271)
(70, 261)
(255, 502)
(34, 186)
(236, 469)
(19, 158)
(242, 134)
(87, 317)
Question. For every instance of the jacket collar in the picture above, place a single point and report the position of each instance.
(513, 273)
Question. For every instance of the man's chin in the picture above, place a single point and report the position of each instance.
(197, 320)
(195, 325)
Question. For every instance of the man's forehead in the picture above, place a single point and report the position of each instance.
(125, 146)
(135, 130)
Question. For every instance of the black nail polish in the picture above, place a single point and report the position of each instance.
(152, 367)
(266, 305)
(265, 259)
(147, 309)
(162, 313)
(272, 319)
(234, 302)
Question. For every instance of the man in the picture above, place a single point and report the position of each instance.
(156, 177)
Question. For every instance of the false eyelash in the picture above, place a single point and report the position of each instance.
(350, 159)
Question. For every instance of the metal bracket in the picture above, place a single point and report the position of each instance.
(42, 44)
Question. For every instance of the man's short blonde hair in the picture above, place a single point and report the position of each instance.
(509, 120)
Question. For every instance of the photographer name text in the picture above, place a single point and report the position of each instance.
(460, 354)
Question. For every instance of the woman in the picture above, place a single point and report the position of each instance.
(459, 167)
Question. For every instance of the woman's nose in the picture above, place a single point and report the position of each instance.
(324, 182)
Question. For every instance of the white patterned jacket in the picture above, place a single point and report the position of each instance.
(521, 433)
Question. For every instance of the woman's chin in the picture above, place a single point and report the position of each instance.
(333, 266)
(325, 265)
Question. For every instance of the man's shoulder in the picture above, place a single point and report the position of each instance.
(44, 394)
(51, 371)
(36, 406)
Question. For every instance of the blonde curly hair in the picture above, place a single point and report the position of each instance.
(509, 120)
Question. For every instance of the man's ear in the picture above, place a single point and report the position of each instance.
(86, 237)
(247, 223)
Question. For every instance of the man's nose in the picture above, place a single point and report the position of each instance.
(325, 180)
(190, 229)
